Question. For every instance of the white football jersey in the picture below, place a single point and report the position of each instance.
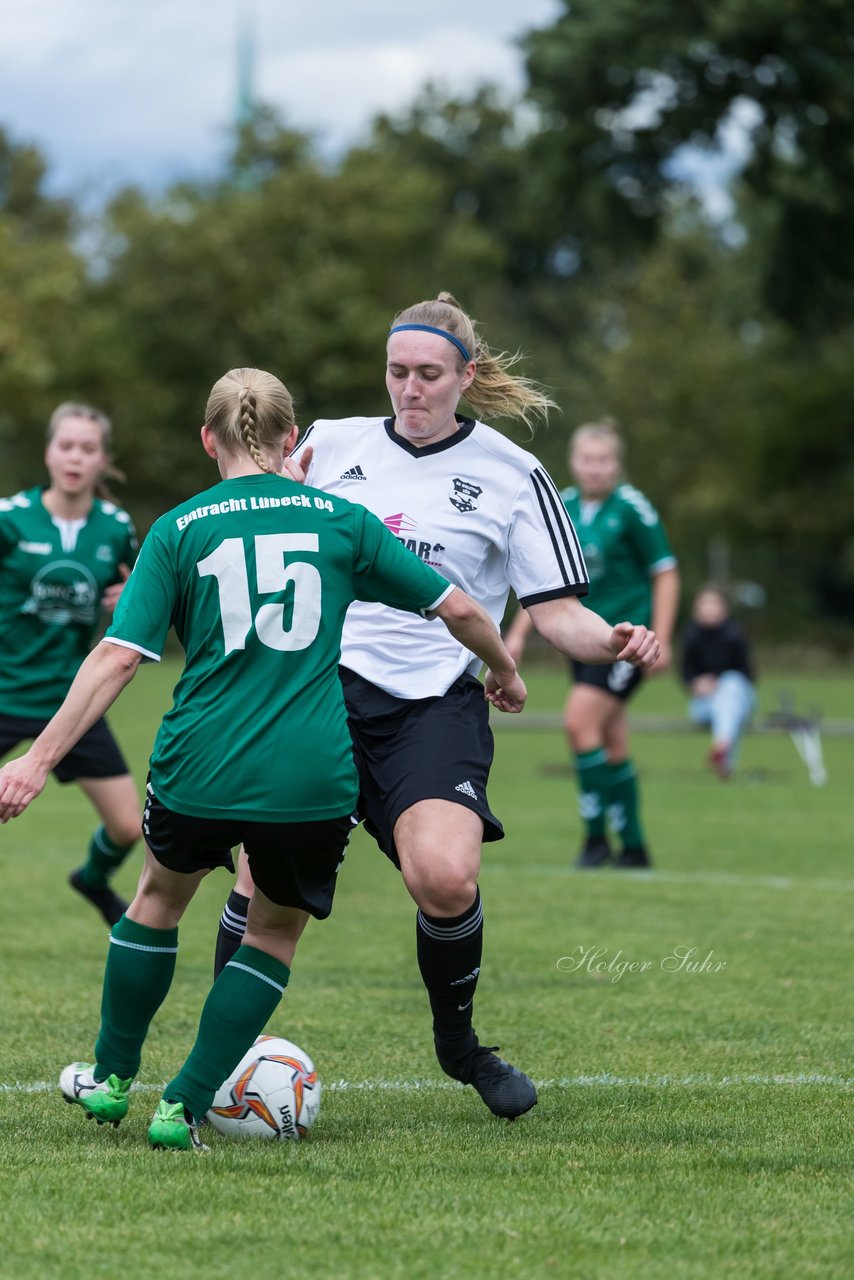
(476, 507)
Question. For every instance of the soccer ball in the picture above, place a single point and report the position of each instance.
(273, 1092)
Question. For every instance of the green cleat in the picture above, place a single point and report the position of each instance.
(103, 1100)
(108, 1104)
(170, 1130)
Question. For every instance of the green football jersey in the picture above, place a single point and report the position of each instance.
(256, 575)
(52, 576)
(624, 546)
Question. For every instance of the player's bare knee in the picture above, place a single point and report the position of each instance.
(155, 906)
(449, 895)
(582, 736)
(125, 832)
(576, 726)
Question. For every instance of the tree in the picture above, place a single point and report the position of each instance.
(299, 271)
(734, 428)
(42, 282)
(625, 88)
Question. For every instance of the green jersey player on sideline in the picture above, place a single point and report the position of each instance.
(65, 551)
(255, 575)
(633, 574)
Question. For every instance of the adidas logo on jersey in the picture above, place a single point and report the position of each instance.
(467, 789)
(355, 473)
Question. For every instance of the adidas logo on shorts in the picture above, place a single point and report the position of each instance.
(355, 473)
(467, 789)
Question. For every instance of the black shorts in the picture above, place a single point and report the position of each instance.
(424, 749)
(294, 864)
(96, 755)
(620, 679)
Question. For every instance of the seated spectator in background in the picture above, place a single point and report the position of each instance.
(718, 669)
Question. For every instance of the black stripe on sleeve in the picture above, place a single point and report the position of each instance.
(299, 444)
(560, 593)
(560, 529)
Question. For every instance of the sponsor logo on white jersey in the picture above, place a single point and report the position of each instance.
(400, 523)
(430, 552)
(354, 473)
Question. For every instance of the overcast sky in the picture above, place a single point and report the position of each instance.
(113, 91)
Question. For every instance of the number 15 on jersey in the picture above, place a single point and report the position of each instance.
(274, 570)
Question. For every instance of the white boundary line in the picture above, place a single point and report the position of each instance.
(654, 876)
(603, 1080)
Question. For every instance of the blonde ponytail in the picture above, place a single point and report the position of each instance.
(495, 391)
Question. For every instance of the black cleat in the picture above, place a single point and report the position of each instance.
(633, 857)
(110, 905)
(505, 1089)
(595, 852)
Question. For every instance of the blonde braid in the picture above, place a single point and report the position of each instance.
(248, 422)
(251, 411)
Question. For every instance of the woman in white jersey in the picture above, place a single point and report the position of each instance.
(484, 512)
(256, 575)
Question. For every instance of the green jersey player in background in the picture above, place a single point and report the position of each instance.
(65, 552)
(633, 575)
(256, 575)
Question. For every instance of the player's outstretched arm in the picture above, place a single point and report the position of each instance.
(96, 686)
(517, 634)
(581, 634)
(665, 606)
(469, 623)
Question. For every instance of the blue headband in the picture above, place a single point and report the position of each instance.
(443, 333)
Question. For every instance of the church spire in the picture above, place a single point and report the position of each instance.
(245, 105)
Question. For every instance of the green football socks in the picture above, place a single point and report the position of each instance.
(140, 965)
(623, 803)
(238, 1008)
(105, 858)
(592, 769)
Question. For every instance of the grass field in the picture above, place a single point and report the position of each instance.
(691, 1124)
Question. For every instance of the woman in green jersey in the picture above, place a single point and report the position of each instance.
(65, 551)
(633, 575)
(256, 575)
